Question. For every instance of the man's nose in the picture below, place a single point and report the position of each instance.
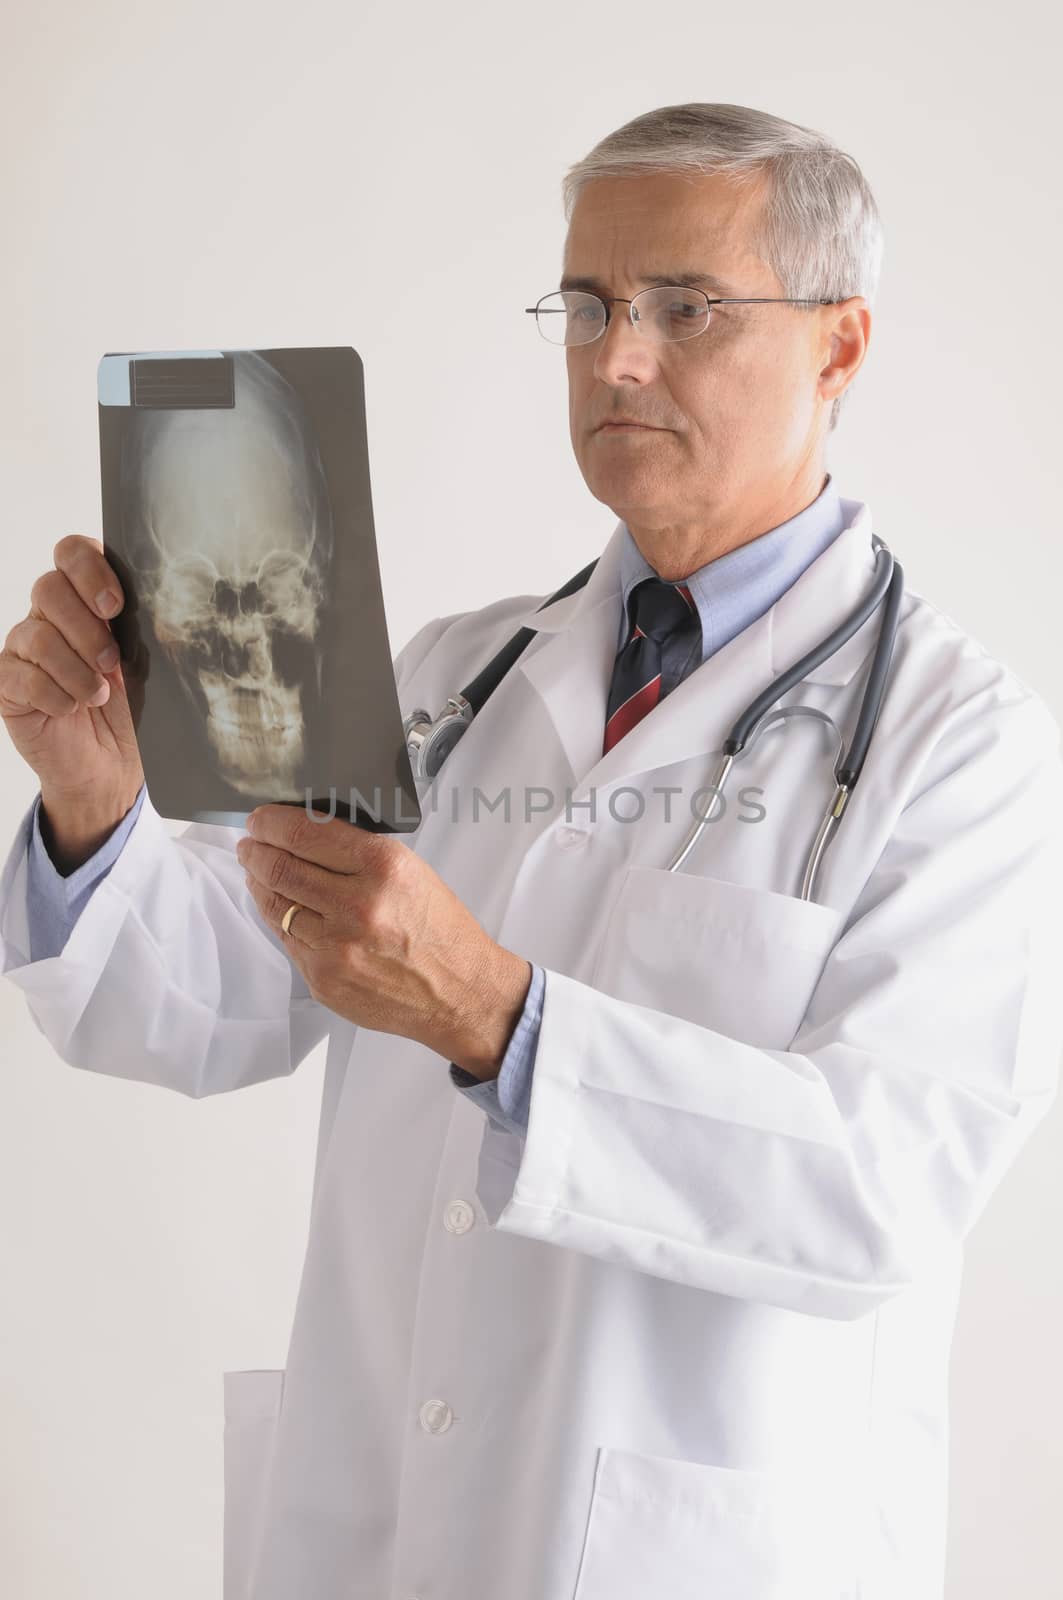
(621, 345)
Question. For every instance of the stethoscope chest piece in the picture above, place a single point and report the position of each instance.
(429, 742)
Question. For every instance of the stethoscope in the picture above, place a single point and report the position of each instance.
(429, 742)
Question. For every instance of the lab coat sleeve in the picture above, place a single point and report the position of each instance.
(506, 1099)
(826, 1177)
(169, 974)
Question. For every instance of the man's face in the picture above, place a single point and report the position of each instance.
(739, 410)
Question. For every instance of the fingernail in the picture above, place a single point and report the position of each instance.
(101, 696)
(106, 602)
(107, 658)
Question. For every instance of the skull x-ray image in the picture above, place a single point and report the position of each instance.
(237, 514)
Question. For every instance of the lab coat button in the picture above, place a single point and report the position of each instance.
(459, 1216)
(570, 838)
(436, 1416)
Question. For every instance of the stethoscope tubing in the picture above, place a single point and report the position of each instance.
(886, 591)
(430, 741)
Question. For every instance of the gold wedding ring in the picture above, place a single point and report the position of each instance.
(286, 920)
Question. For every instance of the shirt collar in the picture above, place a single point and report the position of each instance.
(734, 589)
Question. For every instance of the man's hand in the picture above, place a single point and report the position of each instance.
(381, 939)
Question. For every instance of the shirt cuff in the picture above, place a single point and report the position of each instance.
(507, 1098)
(54, 903)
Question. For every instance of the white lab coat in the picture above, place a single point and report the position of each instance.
(690, 1337)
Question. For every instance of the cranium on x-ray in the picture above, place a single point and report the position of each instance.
(231, 557)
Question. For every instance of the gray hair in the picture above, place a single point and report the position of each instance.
(819, 230)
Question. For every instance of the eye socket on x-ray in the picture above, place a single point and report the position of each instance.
(293, 657)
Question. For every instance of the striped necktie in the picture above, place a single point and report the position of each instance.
(664, 643)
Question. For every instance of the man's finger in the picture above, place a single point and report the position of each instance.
(292, 877)
(272, 908)
(329, 842)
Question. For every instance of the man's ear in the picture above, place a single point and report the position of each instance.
(849, 334)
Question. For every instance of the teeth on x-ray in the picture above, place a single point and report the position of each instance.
(232, 564)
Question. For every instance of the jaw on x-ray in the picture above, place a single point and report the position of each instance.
(249, 556)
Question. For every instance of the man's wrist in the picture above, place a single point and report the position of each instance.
(498, 1015)
(73, 828)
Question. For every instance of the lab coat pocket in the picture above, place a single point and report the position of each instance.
(690, 1531)
(252, 1406)
(741, 960)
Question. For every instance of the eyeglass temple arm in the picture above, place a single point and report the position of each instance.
(723, 300)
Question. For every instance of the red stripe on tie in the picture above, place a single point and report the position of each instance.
(687, 596)
(633, 710)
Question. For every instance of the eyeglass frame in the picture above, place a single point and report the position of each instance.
(616, 299)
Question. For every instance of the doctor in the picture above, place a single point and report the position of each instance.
(668, 1173)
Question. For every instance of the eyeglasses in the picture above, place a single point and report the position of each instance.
(662, 313)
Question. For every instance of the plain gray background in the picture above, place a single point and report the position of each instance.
(250, 175)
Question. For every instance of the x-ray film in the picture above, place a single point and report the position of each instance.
(237, 514)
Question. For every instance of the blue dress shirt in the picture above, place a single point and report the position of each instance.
(731, 592)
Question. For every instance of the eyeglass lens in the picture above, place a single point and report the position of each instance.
(575, 317)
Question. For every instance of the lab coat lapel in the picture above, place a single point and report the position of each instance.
(570, 665)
